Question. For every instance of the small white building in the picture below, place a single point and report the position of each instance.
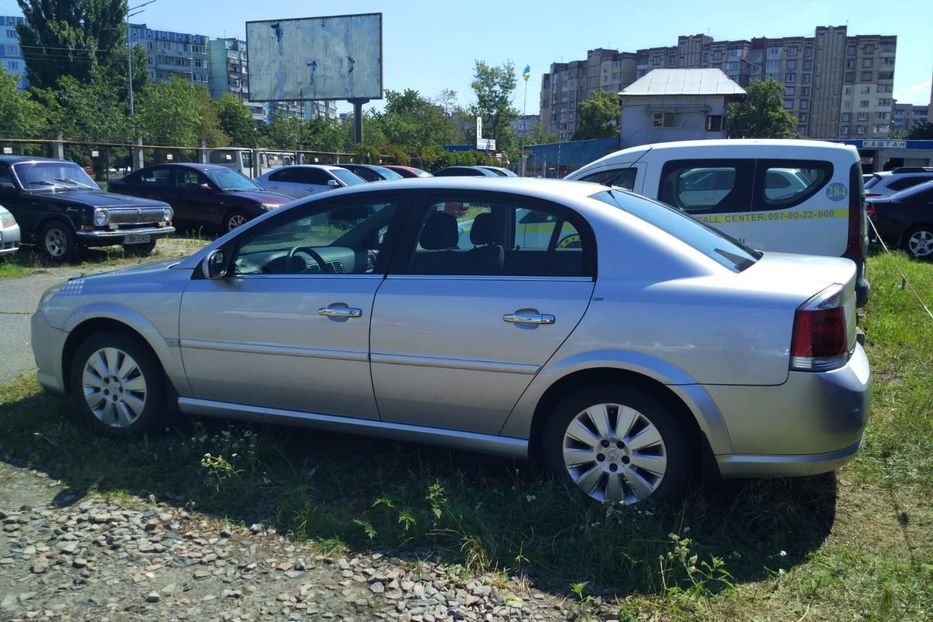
(677, 104)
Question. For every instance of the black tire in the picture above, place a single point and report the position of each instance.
(139, 250)
(233, 219)
(57, 242)
(108, 422)
(676, 446)
(919, 251)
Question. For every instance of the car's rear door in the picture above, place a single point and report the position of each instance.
(462, 324)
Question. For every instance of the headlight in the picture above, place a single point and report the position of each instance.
(167, 213)
(101, 217)
(6, 220)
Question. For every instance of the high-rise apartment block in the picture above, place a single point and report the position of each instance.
(836, 85)
(906, 116)
(11, 55)
(173, 54)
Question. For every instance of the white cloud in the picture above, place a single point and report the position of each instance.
(918, 94)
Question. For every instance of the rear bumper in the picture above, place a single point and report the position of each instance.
(9, 240)
(811, 424)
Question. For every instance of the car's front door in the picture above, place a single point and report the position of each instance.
(288, 328)
(199, 201)
(485, 293)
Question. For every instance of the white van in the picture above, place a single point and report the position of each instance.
(793, 196)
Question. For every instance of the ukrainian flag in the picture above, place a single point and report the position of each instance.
(526, 73)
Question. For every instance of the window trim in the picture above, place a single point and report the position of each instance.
(407, 241)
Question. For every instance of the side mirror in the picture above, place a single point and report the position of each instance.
(333, 183)
(7, 189)
(205, 187)
(214, 266)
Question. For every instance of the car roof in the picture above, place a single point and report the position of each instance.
(906, 193)
(548, 189)
(16, 159)
(326, 167)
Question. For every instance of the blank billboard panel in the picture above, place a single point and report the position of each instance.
(319, 58)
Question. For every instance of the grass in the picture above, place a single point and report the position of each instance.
(28, 261)
(856, 545)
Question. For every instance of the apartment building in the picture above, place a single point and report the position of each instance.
(173, 54)
(836, 85)
(568, 85)
(11, 55)
(905, 116)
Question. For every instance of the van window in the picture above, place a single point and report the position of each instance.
(222, 157)
(786, 183)
(619, 177)
(707, 186)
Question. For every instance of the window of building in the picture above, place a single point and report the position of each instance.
(850, 50)
(717, 55)
(862, 116)
(791, 78)
(789, 91)
(805, 91)
(808, 51)
(866, 76)
(850, 63)
(860, 129)
(868, 48)
(844, 129)
(788, 104)
(804, 104)
(774, 51)
(881, 116)
(807, 65)
(863, 103)
(713, 123)
(850, 76)
(868, 63)
(665, 119)
(792, 51)
(884, 102)
(846, 117)
(791, 64)
(803, 117)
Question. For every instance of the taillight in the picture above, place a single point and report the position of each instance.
(869, 195)
(856, 244)
(820, 339)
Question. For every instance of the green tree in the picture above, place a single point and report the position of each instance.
(762, 114)
(20, 115)
(237, 121)
(493, 87)
(599, 116)
(920, 131)
(90, 111)
(286, 132)
(177, 113)
(537, 135)
(411, 121)
(73, 38)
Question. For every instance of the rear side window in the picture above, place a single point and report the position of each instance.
(907, 182)
(283, 175)
(786, 183)
(620, 177)
(707, 186)
(158, 177)
(716, 245)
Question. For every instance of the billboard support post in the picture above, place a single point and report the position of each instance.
(358, 119)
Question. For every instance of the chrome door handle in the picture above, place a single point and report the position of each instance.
(341, 311)
(529, 317)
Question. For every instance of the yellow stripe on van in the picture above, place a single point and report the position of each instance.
(719, 219)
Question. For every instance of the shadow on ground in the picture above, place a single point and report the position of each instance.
(485, 513)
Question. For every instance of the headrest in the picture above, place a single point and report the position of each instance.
(439, 232)
(483, 230)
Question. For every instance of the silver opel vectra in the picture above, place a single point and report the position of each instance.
(615, 338)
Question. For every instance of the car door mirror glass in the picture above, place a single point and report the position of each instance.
(205, 187)
(214, 265)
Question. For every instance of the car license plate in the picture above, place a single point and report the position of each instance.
(138, 238)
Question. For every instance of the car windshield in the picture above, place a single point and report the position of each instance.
(351, 179)
(716, 245)
(54, 176)
(230, 180)
(387, 173)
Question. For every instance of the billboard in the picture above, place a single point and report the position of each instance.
(338, 57)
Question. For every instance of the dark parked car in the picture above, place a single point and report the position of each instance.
(407, 171)
(59, 208)
(206, 195)
(905, 219)
(465, 171)
(500, 171)
(371, 172)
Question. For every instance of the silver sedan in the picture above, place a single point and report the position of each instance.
(9, 233)
(615, 338)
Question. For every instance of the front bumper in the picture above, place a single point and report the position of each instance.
(811, 424)
(9, 240)
(48, 344)
(108, 237)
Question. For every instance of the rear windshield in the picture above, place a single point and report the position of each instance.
(716, 245)
(351, 179)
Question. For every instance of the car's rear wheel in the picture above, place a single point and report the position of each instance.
(57, 242)
(618, 444)
(234, 219)
(117, 384)
(919, 242)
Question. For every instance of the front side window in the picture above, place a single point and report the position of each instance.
(346, 238)
(707, 186)
(500, 238)
(619, 177)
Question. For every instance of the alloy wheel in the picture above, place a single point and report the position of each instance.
(56, 244)
(114, 387)
(235, 220)
(614, 453)
(920, 243)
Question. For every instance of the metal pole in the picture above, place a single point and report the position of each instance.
(524, 127)
(358, 119)
(129, 62)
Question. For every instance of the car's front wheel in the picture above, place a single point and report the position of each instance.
(117, 384)
(57, 242)
(618, 444)
(919, 242)
(234, 219)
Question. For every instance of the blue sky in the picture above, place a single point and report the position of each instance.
(431, 45)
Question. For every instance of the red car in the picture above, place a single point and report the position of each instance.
(407, 171)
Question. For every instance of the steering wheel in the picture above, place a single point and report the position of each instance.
(304, 250)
